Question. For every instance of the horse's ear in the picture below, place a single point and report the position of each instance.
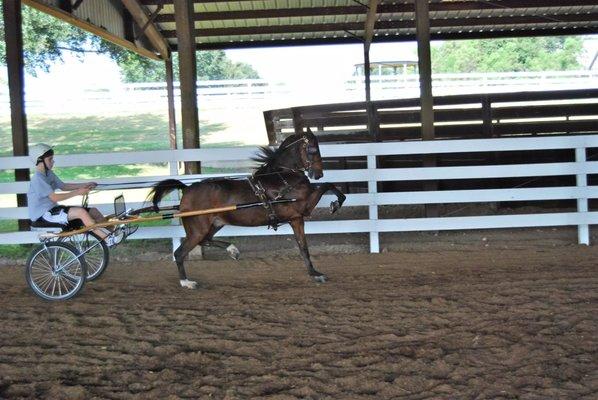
(309, 130)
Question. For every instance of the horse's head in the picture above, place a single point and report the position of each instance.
(306, 153)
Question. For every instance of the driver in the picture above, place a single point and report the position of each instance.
(43, 201)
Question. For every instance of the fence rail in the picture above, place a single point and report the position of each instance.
(245, 92)
(374, 225)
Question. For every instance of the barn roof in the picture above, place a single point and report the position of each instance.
(249, 23)
(246, 23)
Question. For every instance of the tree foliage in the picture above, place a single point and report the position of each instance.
(46, 38)
(211, 65)
(508, 55)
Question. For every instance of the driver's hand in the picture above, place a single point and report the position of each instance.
(83, 190)
(91, 185)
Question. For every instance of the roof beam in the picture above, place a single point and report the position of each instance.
(443, 6)
(142, 19)
(346, 39)
(89, 27)
(370, 20)
(358, 10)
(464, 23)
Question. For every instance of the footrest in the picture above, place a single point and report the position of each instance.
(47, 229)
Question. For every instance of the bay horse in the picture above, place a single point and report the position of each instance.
(281, 175)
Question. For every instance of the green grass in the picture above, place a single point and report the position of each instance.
(100, 134)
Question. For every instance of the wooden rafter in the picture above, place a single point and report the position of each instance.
(464, 23)
(358, 10)
(89, 27)
(440, 6)
(370, 21)
(140, 16)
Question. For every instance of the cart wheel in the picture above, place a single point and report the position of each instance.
(95, 251)
(55, 271)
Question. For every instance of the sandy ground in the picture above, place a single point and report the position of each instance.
(461, 320)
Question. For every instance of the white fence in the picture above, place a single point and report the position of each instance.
(582, 218)
(386, 87)
(249, 93)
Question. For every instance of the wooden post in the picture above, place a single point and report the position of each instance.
(270, 128)
(297, 120)
(372, 117)
(183, 12)
(13, 37)
(174, 165)
(425, 68)
(487, 128)
(368, 36)
(366, 73)
(171, 110)
(422, 25)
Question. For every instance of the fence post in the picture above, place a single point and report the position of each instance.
(373, 208)
(174, 171)
(583, 230)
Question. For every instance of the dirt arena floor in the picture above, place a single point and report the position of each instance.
(451, 322)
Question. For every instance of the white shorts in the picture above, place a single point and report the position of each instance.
(60, 217)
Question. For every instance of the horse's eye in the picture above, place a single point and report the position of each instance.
(312, 150)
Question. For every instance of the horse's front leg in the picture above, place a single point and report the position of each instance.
(340, 197)
(299, 230)
(319, 191)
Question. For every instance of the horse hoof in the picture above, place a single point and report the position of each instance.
(233, 252)
(188, 284)
(320, 278)
(334, 206)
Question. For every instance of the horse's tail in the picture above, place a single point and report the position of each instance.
(161, 189)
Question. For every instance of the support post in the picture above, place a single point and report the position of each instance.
(372, 116)
(13, 37)
(368, 36)
(171, 109)
(373, 208)
(583, 231)
(174, 165)
(183, 12)
(422, 25)
(367, 73)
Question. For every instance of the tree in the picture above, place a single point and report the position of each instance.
(211, 65)
(506, 55)
(45, 38)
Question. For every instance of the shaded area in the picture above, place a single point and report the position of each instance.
(420, 324)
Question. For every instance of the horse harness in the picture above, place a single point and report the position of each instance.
(262, 195)
(260, 191)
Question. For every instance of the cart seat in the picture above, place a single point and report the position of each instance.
(56, 227)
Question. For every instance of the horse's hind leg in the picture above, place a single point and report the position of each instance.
(229, 247)
(196, 233)
(299, 231)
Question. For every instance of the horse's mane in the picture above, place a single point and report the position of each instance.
(267, 156)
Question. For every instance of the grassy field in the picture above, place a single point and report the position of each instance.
(97, 134)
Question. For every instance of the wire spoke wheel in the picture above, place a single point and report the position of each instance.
(56, 271)
(95, 251)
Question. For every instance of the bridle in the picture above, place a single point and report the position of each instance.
(310, 151)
